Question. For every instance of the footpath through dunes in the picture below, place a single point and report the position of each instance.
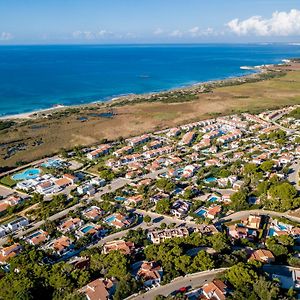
(84, 125)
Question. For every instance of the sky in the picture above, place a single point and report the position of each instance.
(148, 21)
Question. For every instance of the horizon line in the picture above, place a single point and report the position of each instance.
(152, 43)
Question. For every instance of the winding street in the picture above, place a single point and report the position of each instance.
(245, 213)
(293, 176)
(194, 280)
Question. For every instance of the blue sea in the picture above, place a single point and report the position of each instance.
(39, 77)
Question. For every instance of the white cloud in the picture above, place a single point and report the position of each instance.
(176, 33)
(102, 32)
(197, 32)
(5, 36)
(158, 31)
(280, 24)
(87, 35)
(194, 30)
(90, 35)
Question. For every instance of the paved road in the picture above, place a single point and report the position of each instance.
(6, 191)
(153, 175)
(294, 175)
(167, 219)
(113, 186)
(157, 218)
(35, 226)
(245, 213)
(194, 280)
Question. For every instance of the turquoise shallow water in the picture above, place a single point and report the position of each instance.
(38, 77)
(27, 174)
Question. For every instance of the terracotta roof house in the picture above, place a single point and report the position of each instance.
(262, 255)
(241, 232)
(206, 229)
(8, 252)
(136, 199)
(188, 138)
(101, 150)
(93, 213)
(63, 182)
(37, 238)
(213, 211)
(253, 221)
(150, 273)
(71, 177)
(99, 289)
(60, 245)
(70, 224)
(119, 245)
(215, 290)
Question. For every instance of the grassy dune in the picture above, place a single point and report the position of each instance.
(68, 131)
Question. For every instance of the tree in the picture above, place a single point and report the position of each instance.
(250, 169)
(125, 288)
(224, 173)
(219, 242)
(239, 201)
(147, 219)
(262, 187)
(107, 175)
(138, 237)
(265, 290)
(267, 165)
(202, 262)
(240, 275)
(182, 263)
(163, 206)
(286, 240)
(165, 184)
(283, 197)
(275, 247)
(116, 265)
(163, 225)
(294, 262)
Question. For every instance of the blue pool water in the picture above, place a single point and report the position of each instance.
(201, 212)
(27, 174)
(210, 179)
(52, 163)
(38, 77)
(87, 229)
(110, 219)
(35, 234)
(213, 199)
(118, 198)
(271, 232)
(282, 227)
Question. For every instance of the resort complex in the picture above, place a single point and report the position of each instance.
(201, 211)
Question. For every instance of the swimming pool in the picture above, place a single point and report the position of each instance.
(110, 219)
(27, 174)
(271, 232)
(118, 198)
(210, 179)
(213, 199)
(37, 233)
(87, 228)
(282, 227)
(52, 163)
(201, 212)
